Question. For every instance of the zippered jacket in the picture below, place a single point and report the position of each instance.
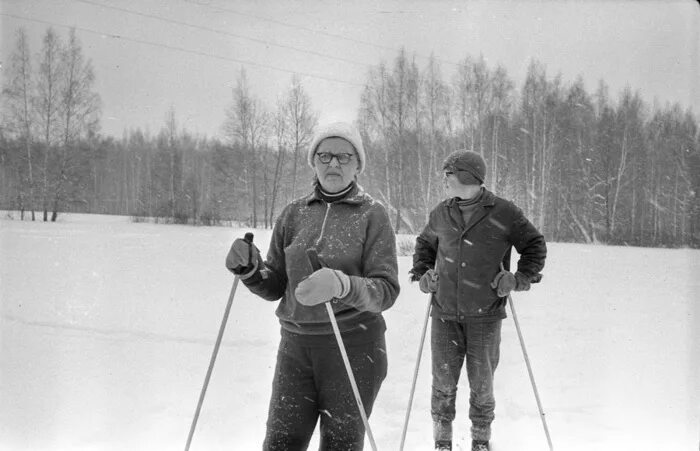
(467, 257)
(353, 235)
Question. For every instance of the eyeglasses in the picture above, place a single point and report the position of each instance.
(327, 157)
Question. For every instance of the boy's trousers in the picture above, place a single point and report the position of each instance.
(451, 343)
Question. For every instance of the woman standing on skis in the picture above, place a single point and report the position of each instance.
(356, 246)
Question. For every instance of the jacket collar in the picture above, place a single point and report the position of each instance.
(488, 199)
(355, 197)
(483, 207)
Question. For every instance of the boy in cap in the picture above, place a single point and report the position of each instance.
(462, 258)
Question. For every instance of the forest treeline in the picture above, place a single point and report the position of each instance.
(585, 166)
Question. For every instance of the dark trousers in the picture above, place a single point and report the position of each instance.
(311, 381)
(451, 343)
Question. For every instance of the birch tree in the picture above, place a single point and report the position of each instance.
(247, 122)
(576, 181)
(19, 115)
(436, 108)
(374, 122)
(280, 132)
(501, 99)
(300, 121)
(627, 140)
(47, 104)
(79, 111)
(403, 89)
(538, 103)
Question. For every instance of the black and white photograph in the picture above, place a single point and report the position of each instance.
(454, 225)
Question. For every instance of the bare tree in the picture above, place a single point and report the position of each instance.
(540, 98)
(575, 180)
(627, 122)
(174, 160)
(375, 122)
(501, 88)
(472, 89)
(436, 105)
(19, 115)
(47, 103)
(300, 123)
(403, 88)
(279, 128)
(79, 112)
(246, 122)
(196, 182)
(389, 118)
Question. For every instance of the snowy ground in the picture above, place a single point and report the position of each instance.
(108, 327)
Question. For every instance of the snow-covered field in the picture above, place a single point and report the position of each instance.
(108, 327)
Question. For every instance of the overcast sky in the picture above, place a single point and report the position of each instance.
(150, 55)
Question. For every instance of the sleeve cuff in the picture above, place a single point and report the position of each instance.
(252, 274)
(522, 282)
(345, 285)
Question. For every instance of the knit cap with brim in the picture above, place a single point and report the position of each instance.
(338, 130)
(468, 166)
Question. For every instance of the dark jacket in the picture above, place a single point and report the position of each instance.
(467, 257)
(353, 235)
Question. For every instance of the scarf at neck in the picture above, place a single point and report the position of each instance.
(465, 202)
(334, 197)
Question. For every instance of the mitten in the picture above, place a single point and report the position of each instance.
(505, 282)
(428, 282)
(322, 286)
(243, 258)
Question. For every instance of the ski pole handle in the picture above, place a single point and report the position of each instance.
(312, 255)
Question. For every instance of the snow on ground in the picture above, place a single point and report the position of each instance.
(107, 328)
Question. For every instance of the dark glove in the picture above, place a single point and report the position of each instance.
(322, 286)
(428, 282)
(243, 258)
(505, 282)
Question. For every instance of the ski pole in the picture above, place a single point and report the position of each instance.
(316, 265)
(211, 362)
(529, 371)
(415, 375)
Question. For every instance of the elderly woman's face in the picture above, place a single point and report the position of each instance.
(336, 164)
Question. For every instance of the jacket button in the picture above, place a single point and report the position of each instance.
(464, 264)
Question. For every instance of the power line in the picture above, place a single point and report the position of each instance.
(278, 22)
(310, 30)
(225, 33)
(180, 49)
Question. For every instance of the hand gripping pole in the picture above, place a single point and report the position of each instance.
(312, 254)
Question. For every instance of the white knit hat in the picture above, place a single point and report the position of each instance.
(338, 130)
